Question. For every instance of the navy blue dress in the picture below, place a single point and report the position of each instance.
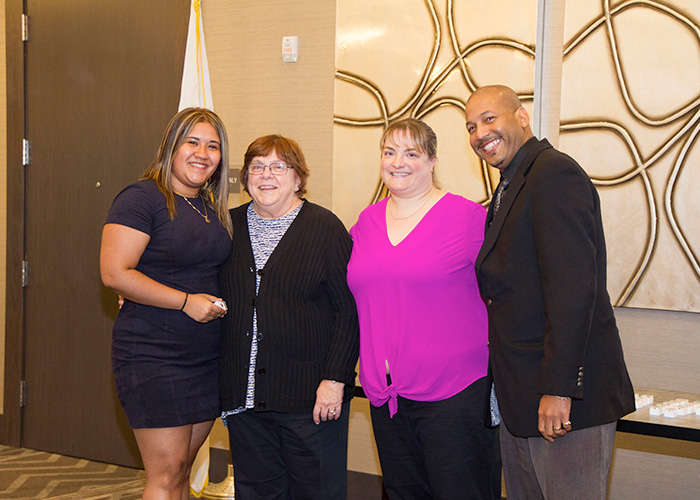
(166, 365)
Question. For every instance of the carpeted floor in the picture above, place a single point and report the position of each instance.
(30, 475)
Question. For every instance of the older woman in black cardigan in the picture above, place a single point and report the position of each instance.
(290, 339)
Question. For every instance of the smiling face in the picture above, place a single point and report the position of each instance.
(273, 195)
(196, 159)
(406, 170)
(497, 125)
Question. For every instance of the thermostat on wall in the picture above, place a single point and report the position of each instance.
(290, 45)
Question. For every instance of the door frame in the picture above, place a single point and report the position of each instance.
(11, 418)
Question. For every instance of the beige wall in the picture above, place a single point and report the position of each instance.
(662, 349)
(256, 93)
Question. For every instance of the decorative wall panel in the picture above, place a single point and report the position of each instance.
(415, 58)
(630, 114)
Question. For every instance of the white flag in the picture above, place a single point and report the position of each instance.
(199, 477)
(196, 86)
(196, 92)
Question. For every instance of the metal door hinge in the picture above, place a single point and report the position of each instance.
(22, 393)
(25, 28)
(25, 273)
(25, 152)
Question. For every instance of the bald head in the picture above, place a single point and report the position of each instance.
(497, 123)
(505, 95)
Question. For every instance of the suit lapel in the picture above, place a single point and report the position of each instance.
(515, 186)
(494, 230)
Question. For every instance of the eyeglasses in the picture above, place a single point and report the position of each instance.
(276, 168)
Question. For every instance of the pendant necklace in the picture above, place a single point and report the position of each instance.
(204, 204)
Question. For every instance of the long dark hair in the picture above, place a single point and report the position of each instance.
(215, 191)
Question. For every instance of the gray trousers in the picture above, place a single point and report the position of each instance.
(575, 466)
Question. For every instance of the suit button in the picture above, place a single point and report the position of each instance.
(579, 383)
(260, 336)
(489, 302)
(580, 374)
(262, 405)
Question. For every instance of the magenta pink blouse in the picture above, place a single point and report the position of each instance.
(419, 304)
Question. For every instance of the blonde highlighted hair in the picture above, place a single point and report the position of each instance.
(215, 191)
(417, 131)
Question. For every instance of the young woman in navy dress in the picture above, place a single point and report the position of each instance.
(164, 240)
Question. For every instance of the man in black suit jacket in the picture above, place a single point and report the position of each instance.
(555, 351)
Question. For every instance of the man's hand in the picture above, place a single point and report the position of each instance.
(553, 417)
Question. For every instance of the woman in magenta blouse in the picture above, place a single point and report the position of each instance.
(423, 327)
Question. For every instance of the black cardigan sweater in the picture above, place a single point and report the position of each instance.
(307, 318)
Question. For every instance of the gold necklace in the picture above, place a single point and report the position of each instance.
(413, 213)
(204, 204)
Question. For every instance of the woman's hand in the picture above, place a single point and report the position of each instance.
(329, 401)
(201, 308)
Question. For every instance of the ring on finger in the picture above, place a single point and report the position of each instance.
(331, 412)
(568, 422)
(557, 428)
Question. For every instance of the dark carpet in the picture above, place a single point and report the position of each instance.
(29, 475)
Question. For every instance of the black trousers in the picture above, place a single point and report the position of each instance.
(284, 456)
(439, 449)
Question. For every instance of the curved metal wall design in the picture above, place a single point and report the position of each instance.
(421, 58)
(630, 114)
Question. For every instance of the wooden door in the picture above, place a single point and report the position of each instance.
(102, 81)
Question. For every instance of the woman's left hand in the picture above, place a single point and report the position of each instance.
(329, 401)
